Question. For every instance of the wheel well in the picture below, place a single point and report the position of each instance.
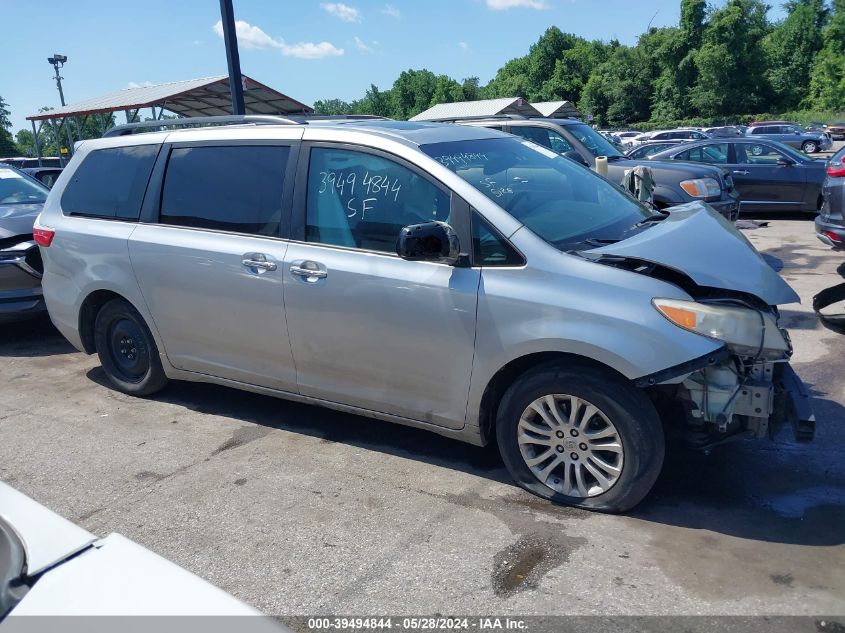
(505, 377)
(88, 315)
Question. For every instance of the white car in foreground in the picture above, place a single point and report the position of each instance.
(49, 566)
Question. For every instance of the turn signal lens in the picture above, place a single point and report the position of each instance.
(836, 170)
(702, 187)
(678, 316)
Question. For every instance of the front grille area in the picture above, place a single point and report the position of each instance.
(33, 258)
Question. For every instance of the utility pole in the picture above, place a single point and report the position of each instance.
(58, 61)
(230, 39)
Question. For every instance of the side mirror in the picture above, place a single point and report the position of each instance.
(785, 162)
(577, 157)
(429, 242)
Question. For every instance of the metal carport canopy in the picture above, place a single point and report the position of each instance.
(209, 96)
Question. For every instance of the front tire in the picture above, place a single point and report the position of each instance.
(126, 349)
(580, 435)
(809, 147)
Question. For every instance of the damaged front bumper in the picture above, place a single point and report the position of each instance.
(723, 396)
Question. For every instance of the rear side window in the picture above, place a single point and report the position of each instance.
(110, 183)
(225, 188)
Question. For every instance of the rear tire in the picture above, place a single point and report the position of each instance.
(127, 350)
(615, 438)
(809, 147)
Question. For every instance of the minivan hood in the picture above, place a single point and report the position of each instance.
(695, 240)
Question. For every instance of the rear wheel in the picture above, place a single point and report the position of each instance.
(127, 350)
(580, 435)
(809, 147)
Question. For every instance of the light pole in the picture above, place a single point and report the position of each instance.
(230, 39)
(57, 61)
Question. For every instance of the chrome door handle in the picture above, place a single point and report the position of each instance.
(741, 171)
(308, 272)
(254, 263)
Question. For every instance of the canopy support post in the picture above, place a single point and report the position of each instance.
(37, 144)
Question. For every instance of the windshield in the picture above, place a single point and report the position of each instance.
(594, 141)
(15, 188)
(561, 201)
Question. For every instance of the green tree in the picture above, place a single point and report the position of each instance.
(618, 91)
(572, 70)
(827, 82)
(332, 106)
(731, 63)
(790, 50)
(510, 81)
(7, 143)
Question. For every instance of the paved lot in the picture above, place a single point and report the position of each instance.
(298, 510)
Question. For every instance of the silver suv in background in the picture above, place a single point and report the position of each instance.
(792, 135)
(451, 278)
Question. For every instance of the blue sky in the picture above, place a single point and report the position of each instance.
(307, 50)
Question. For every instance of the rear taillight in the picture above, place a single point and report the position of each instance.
(837, 170)
(42, 235)
(833, 236)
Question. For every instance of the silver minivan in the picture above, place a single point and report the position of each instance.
(452, 278)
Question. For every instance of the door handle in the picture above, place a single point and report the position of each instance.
(741, 171)
(308, 272)
(258, 261)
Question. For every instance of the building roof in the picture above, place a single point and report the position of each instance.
(208, 96)
(553, 109)
(482, 108)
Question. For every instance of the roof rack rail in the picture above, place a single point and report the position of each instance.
(338, 117)
(202, 121)
(472, 117)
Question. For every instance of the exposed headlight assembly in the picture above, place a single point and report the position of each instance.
(702, 187)
(747, 332)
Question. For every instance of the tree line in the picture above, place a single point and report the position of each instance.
(717, 62)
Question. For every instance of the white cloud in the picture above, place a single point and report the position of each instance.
(252, 37)
(391, 11)
(503, 5)
(133, 84)
(464, 45)
(310, 50)
(342, 11)
(362, 45)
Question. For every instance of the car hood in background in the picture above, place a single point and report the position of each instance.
(678, 167)
(699, 242)
(17, 219)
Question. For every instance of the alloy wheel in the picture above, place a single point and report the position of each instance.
(570, 445)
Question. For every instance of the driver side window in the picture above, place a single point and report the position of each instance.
(361, 200)
(543, 136)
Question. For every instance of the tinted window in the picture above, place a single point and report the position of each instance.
(227, 188)
(716, 153)
(489, 248)
(361, 200)
(543, 136)
(594, 141)
(758, 154)
(110, 183)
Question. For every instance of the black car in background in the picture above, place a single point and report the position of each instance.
(768, 175)
(46, 175)
(830, 223)
(21, 200)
